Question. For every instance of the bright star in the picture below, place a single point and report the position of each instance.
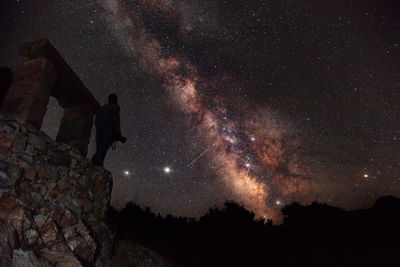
(365, 176)
(248, 165)
(252, 138)
(126, 172)
(167, 169)
(278, 202)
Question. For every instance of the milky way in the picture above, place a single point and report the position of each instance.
(248, 170)
(261, 103)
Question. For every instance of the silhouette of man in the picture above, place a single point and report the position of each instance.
(6, 76)
(108, 129)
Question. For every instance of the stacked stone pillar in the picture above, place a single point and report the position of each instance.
(45, 73)
(76, 126)
(29, 93)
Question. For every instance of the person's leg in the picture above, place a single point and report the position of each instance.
(106, 142)
(96, 159)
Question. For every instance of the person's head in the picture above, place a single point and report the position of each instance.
(112, 98)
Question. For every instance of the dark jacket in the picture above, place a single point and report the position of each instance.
(108, 117)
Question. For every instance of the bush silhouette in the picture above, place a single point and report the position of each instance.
(313, 235)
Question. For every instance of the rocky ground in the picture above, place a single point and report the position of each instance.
(53, 204)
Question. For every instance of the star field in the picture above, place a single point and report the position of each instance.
(260, 102)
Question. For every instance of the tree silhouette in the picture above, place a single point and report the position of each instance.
(313, 235)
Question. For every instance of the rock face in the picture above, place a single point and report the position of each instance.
(52, 202)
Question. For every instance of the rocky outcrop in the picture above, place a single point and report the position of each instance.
(52, 202)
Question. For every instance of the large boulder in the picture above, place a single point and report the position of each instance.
(52, 202)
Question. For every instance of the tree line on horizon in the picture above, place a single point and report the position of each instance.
(313, 235)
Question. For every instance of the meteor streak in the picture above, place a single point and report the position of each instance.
(196, 159)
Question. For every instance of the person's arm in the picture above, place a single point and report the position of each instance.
(118, 136)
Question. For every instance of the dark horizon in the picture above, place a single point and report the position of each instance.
(313, 235)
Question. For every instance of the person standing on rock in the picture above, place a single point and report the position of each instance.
(108, 129)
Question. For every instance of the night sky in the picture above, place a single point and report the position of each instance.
(260, 102)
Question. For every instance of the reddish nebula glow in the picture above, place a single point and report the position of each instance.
(254, 158)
